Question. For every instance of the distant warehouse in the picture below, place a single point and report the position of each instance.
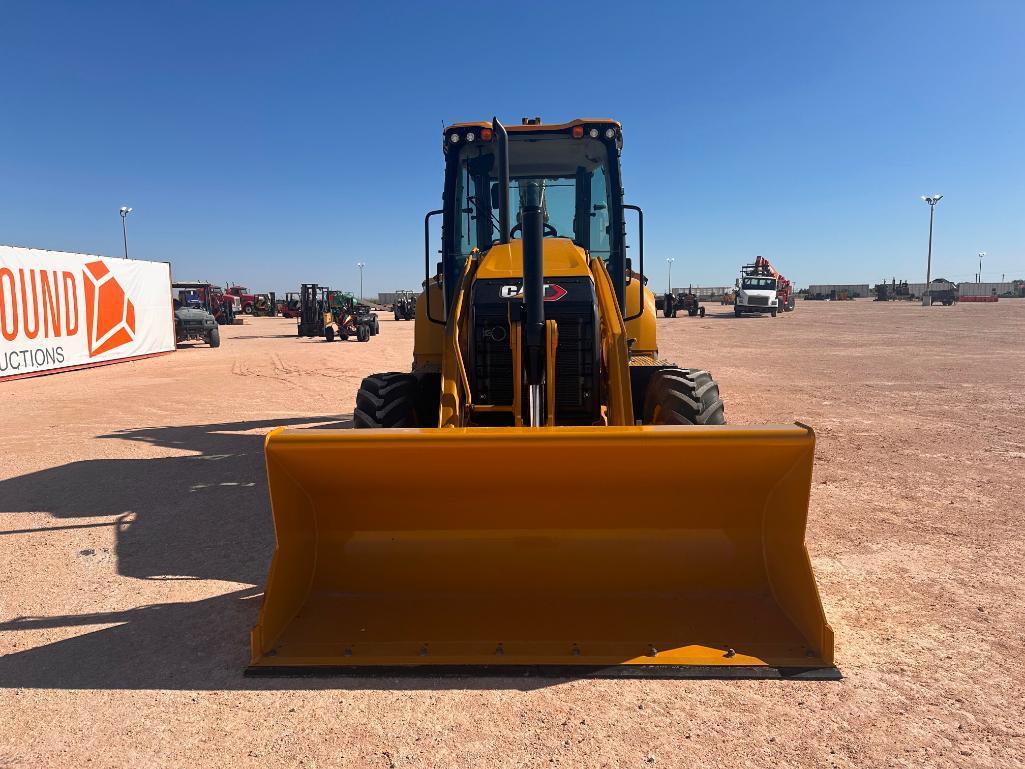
(824, 290)
(986, 289)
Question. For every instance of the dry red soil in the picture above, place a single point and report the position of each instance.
(136, 534)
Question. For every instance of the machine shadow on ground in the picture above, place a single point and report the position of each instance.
(264, 336)
(204, 516)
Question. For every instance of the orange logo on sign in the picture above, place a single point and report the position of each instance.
(109, 313)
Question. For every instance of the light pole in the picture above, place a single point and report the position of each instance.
(361, 265)
(932, 200)
(125, 210)
(669, 261)
(981, 254)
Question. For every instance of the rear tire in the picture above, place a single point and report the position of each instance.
(387, 400)
(679, 396)
(736, 311)
(362, 333)
(329, 334)
(215, 337)
(375, 329)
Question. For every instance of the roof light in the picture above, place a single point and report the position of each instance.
(610, 133)
(470, 136)
(593, 133)
(454, 138)
(578, 132)
(485, 134)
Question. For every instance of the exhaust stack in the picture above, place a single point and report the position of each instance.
(532, 229)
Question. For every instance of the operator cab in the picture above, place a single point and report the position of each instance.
(572, 167)
(749, 283)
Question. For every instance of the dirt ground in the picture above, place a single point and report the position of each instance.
(136, 535)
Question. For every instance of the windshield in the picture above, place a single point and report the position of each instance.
(571, 173)
(759, 284)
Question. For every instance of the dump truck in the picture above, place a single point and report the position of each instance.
(539, 429)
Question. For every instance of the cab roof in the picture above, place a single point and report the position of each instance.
(537, 127)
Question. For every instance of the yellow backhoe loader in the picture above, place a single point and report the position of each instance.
(546, 446)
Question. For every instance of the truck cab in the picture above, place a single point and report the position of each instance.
(756, 294)
(246, 298)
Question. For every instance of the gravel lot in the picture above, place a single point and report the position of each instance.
(136, 535)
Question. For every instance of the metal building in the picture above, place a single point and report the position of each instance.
(985, 289)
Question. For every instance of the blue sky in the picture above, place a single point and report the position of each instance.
(274, 144)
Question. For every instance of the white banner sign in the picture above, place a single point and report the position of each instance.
(61, 310)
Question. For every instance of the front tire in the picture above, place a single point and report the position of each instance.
(736, 311)
(329, 334)
(387, 400)
(362, 333)
(215, 337)
(678, 396)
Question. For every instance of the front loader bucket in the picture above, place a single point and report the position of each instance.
(631, 550)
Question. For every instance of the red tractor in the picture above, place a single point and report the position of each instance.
(289, 306)
(245, 296)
